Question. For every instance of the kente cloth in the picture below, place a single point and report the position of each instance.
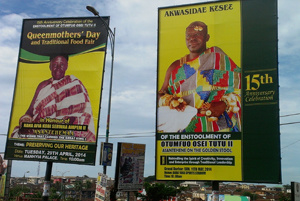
(208, 78)
(65, 99)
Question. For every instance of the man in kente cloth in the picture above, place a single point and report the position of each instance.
(61, 100)
(201, 91)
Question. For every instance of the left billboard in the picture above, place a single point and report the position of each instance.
(57, 95)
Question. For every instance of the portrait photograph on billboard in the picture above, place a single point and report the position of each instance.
(130, 166)
(56, 105)
(215, 91)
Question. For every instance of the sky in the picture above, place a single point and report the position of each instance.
(134, 79)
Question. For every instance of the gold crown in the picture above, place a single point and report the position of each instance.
(198, 28)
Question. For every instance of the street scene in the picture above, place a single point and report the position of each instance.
(149, 101)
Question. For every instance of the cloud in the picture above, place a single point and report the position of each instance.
(288, 30)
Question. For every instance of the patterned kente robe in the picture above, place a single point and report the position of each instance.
(208, 78)
(64, 99)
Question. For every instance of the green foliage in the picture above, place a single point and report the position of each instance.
(54, 194)
(78, 185)
(173, 183)
(150, 179)
(252, 196)
(158, 191)
(284, 197)
(70, 199)
(37, 194)
(18, 190)
(56, 185)
(207, 183)
(88, 184)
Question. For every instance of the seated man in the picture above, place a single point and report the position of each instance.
(201, 91)
(62, 97)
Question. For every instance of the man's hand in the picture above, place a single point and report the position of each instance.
(217, 108)
(213, 110)
(178, 103)
(173, 102)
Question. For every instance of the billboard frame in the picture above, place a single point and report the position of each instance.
(83, 39)
(269, 172)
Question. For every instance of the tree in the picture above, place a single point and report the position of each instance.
(55, 191)
(284, 197)
(88, 184)
(78, 188)
(173, 183)
(159, 191)
(54, 195)
(208, 183)
(37, 194)
(150, 179)
(18, 191)
(252, 196)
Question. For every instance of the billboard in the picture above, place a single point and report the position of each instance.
(217, 92)
(106, 152)
(3, 171)
(223, 197)
(295, 187)
(2, 185)
(100, 193)
(3, 164)
(56, 105)
(130, 166)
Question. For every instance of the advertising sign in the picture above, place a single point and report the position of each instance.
(214, 89)
(295, 187)
(130, 166)
(106, 153)
(58, 87)
(100, 193)
(228, 198)
(2, 185)
(3, 164)
(3, 170)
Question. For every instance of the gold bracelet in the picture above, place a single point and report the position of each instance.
(208, 113)
(227, 104)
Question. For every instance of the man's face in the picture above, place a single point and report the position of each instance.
(196, 38)
(58, 67)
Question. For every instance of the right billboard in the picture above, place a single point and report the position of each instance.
(217, 103)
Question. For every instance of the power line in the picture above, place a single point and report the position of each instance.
(290, 115)
(290, 144)
(297, 122)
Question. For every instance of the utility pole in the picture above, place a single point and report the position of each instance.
(215, 191)
(47, 181)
